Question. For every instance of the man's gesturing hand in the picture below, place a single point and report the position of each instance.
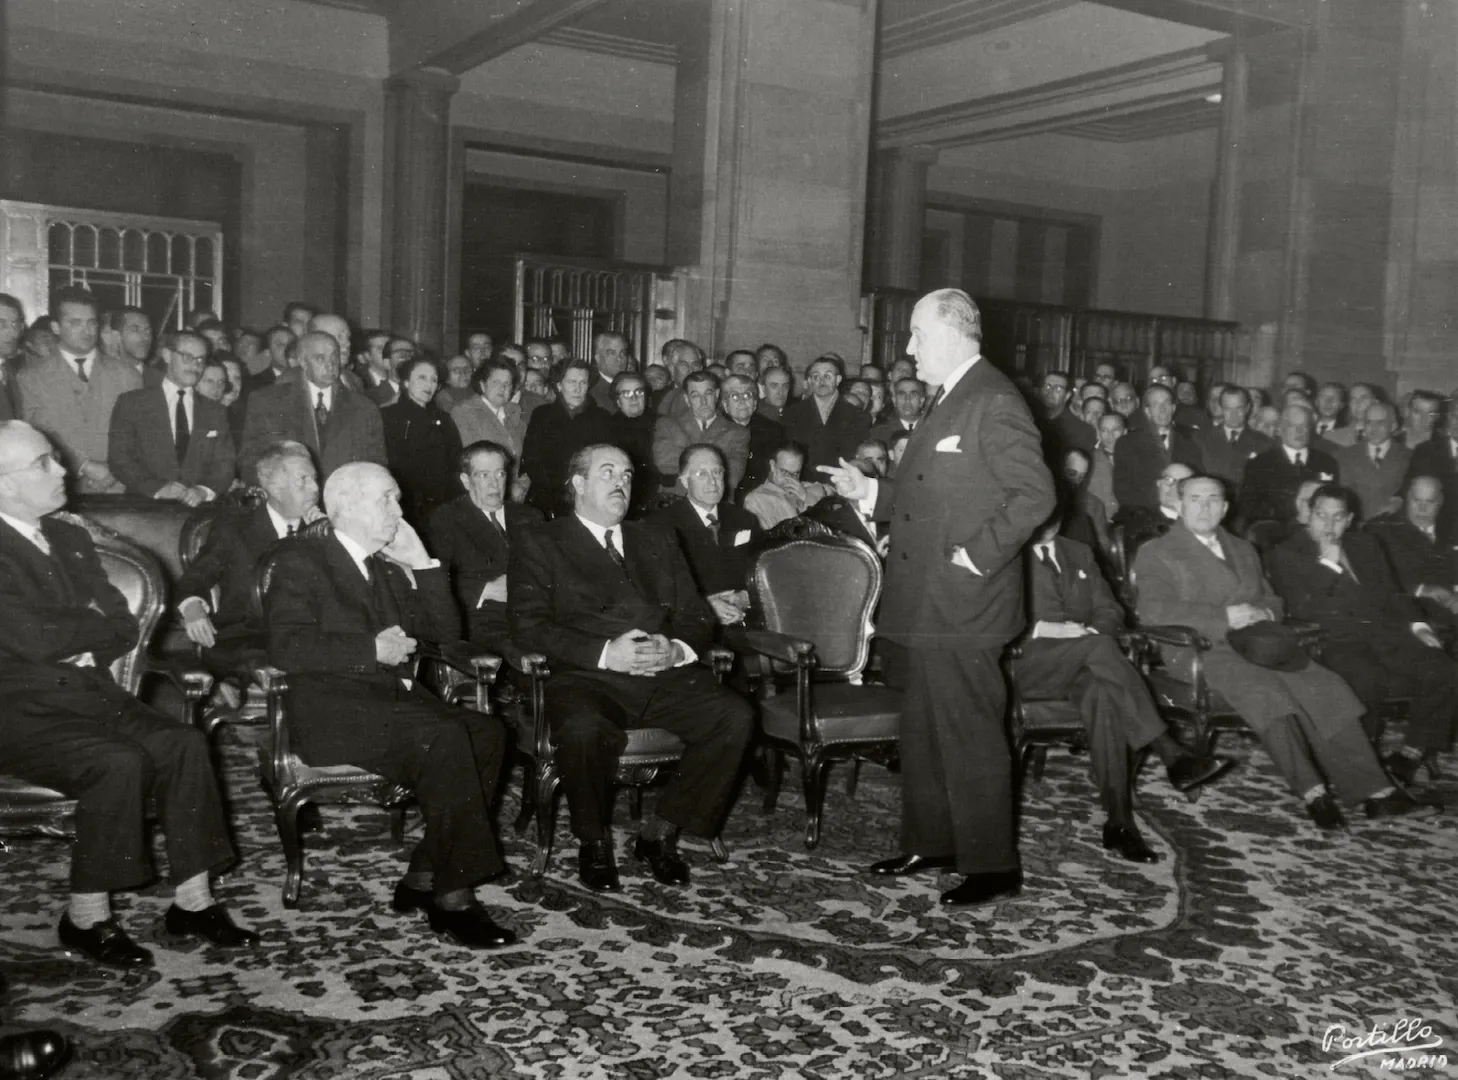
(849, 481)
(393, 646)
(200, 631)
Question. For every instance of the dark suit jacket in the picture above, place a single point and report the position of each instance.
(1140, 457)
(47, 617)
(1067, 432)
(1227, 460)
(143, 456)
(475, 554)
(322, 616)
(1349, 610)
(567, 598)
(825, 443)
(674, 434)
(229, 560)
(552, 437)
(423, 448)
(988, 496)
(718, 563)
(286, 411)
(1271, 482)
(1076, 593)
(887, 430)
(1415, 559)
(765, 437)
(1374, 483)
(1435, 458)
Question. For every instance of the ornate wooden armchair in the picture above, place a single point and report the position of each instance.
(30, 809)
(1038, 723)
(812, 599)
(448, 668)
(648, 753)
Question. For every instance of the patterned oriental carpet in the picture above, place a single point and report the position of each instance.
(1233, 956)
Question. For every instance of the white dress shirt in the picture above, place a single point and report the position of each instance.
(88, 362)
(1294, 456)
(599, 533)
(1213, 543)
(171, 391)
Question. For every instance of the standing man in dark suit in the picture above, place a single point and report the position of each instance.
(473, 535)
(716, 537)
(1375, 467)
(1145, 450)
(740, 403)
(1072, 649)
(228, 630)
(614, 608)
(343, 612)
(1227, 447)
(67, 725)
(828, 426)
(971, 490)
(169, 441)
(1375, 634)
(1274, 476)
(337, 424)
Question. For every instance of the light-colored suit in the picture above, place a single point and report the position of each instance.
(75, 415)
(1375, 484)
(1179, 581)
(476, 420)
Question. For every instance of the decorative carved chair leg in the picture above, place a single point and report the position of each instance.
(813, 775)
(718, 850)
(775, 778)
(1040, 761)
(397, 824)
(546, 799)
(854, 778)
(635, 802)
(286, 818)
(528, 799)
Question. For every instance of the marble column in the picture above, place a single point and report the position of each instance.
(418, 106)
(896, 216)
(768, 192)
(1225, 197)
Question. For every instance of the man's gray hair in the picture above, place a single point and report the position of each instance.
(346, 483)
(278, 454)
(956, 309)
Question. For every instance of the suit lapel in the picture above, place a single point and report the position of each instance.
(348, 581)
(45, 571)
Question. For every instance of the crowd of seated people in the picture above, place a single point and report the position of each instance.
(605, 512)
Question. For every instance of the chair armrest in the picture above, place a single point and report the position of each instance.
(271, 680)
(535, 665)
(777, 646)
(1183, 637)
(459, 656)
(194, 683)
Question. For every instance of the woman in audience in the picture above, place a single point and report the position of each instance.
(460, 373)
(422, 446)
(556, 432)
(492, 414)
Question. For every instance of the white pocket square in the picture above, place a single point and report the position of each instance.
(1327, 476)
(1082, 576)
(211, 435)
(741, 537)
(952, 444)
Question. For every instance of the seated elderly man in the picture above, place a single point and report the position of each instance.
(1374, 632)
(1420, 549)
(716, 537)
(1309, 721)
(1375, 467)
(228, 632)
(473, 536)
(701, 423)
(67, 725)
(1273, 476)
(1072, 650)
(614, 607)
(343, 613)
(782, 496)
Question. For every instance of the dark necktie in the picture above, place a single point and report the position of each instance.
(1301, 459)
(496, 524)
(613, 552)
(712, 521)
(81, 368)
(1233, 436)
(293, 528)
(935, 401)
(181, 434)
(321, 414)
(1046, 558)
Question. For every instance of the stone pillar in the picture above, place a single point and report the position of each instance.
(418, 106)
(896, 216)
(767, 198)
(1225, 197)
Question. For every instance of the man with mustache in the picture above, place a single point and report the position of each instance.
(614, 608)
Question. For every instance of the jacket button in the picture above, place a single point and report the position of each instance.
(905, 556)
(905, 517)
(921, 476)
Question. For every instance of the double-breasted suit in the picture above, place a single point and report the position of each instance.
(1180, 581)
(69, 726)
(1272, 480)
(972, 477)
(322, 615)
(1227, 460)
(718, 559)
(142, 449)
(1375, 483)
(567, 598)
(352, 431)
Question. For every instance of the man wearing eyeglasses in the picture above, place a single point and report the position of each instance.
(68, 726)
(673, 434)
(740, 402)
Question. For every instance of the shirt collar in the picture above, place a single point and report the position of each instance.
(72, 358)
(1229, 431)
(599, 531)
(30, 532)
(956, 376)
(1173, 515)
(171, 389)
(315, 391)
(357, 553)
(280, 523)
(1291, 452)
(703, 514)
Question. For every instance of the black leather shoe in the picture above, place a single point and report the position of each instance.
(663, 859)
(1398, 803)
(106, 943)
(1191, 770)
(912, 864)
(984, 889)
(1125, 839)
(31, 1055)
(1326, 813)
(470, 927)
(407, 899)
(595, 866)
(212, 924)
(1403, 768)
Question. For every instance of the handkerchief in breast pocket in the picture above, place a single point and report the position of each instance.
(952, 444)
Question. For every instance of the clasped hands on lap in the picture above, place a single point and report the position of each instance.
(638, 653)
